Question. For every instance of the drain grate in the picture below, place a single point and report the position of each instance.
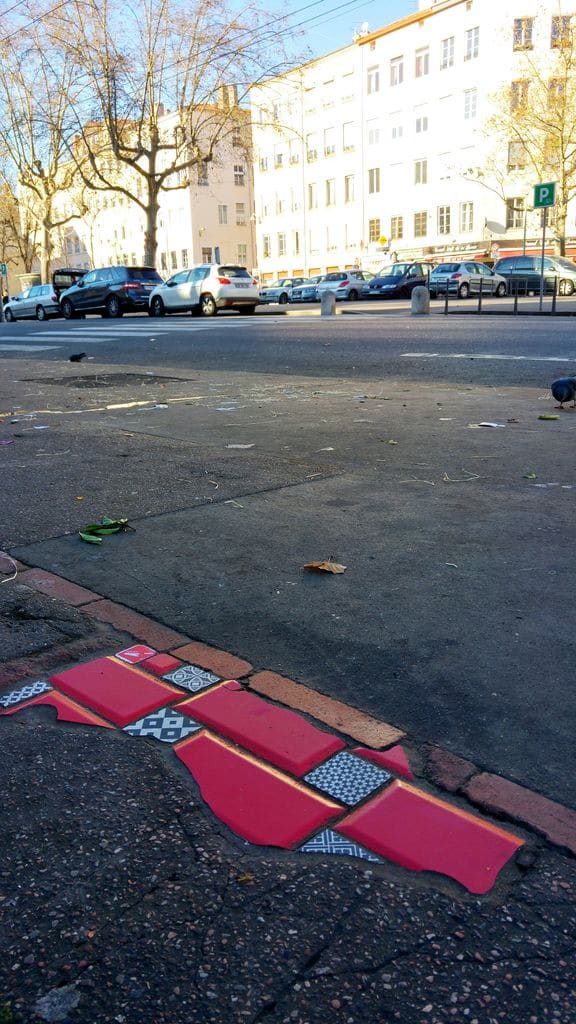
(108, 380)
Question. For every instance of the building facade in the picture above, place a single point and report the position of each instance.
(390, 146)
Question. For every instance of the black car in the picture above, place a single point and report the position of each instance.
(398, 280)
(110, 291)
(523, 274)
(65, 277)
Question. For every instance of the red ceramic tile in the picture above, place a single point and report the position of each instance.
(423, 833)
(135, 654)
(394, 759)
(119, 692)
(160, 664)
(276, 734)
(66, 710)
(255, 801)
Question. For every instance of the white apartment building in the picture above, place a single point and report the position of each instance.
(384, 148)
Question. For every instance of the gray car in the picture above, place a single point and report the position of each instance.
(308, 290)
(40, 302)
(281, 291)
(464, 279)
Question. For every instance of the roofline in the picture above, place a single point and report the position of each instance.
(410, 19)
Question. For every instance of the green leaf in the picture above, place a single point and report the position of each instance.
(90, 538)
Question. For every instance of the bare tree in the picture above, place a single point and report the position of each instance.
(18, 245)
(166, 94)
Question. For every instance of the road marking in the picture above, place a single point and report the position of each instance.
(24, 348)
(488, 355)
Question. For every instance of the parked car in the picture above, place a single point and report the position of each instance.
(464, 279)
(281, 291)
(40, 301)
(110, 291)
(205, 289)
(398, 280)
(308, 290)
(523, 273)
(346, 284)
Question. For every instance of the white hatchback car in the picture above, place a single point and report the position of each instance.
(205, 289)
(345, 284)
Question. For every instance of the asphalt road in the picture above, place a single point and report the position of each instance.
(242, 448)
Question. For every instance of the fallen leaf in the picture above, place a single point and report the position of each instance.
(530, 476)
(333, 567)
(545, 416)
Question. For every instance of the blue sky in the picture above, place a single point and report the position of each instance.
(329, 24)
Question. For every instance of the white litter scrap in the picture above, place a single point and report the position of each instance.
(241, 446)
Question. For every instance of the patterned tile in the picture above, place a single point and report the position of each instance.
(193, 678)
(347, 778)
(330, 842)
(133, 655)
(165, 725)
(8, 700)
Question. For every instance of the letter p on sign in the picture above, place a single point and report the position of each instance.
(544, 195)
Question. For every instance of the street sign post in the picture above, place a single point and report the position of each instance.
(544, 197)
(3, 274)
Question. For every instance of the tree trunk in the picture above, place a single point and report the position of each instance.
(45, 250)
(150, 234)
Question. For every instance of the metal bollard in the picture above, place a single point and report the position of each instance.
(327, 304)
(446, 301)
(480, 295)
(420, 301)
(554, 294)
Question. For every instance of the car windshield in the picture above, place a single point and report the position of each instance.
(234, 272)
(567, 264)
(446, 268)
(394, 270)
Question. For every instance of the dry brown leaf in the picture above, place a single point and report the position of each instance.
(325, 566)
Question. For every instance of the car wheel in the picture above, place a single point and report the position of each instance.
(501, 290)
(566, 287)
(208, 306)
(248, 310)
(352, 295)
(113, 308)
(283, 299)
(40, 313)
(9, 316)
(67, 309)
(156, 307)
(464, 291)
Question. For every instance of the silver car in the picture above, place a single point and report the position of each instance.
(464, 279)
(205, 289)
(308, 290)
(345, 284)
(39, 301)
(281, 291)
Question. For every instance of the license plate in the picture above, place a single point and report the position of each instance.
(237, 285)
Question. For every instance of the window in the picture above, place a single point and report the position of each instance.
(174, 260)
(163, 263)
(185, 257)
(472, 42)
(421, 124)
(203, 172)
(561, 31)
(556, 91)
(296, 243)
(236, 137)
(373, 133)
(420, 224)
(466, 217)
(349, 136)
(239, 174)
(329, 141)
(420, 172)
(349, 188)
(263, 163)
(397, 227)
(281, 242)
(373, 80)
(331, 192)
(522, 38)
(470, 104)
(374, 179)
(240, 214)
(312, 197)
(516, 156)
(447, 53)
(266, 247)
(515, 212)
(422, 62)
(294, 152)
(242, 253)
(280, 204)
(397, 71)
(311, 147)
(222, 214)
(443, 220)
(374, 230)
(278, 162)
(519, 94)
(206, 254)
(397, 130)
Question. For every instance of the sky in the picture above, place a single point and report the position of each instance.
(329, 24)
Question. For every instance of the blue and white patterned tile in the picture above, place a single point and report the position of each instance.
(348, 778)
(166, 725)
(9, 700)
(330, 842)
(191, 677)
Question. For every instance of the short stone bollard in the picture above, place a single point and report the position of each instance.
(420, 301)
(327, 304)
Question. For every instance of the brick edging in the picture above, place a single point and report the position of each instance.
(490, 793)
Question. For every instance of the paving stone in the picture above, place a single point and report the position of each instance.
(120, 692)
(447, 770)
(329, 842)
(225, 665)
(8, 700)
(348, 778)
(192, 677)
(545, 816)
(350, 721)
(166, 725)
(135, 654)
(56, 587)
(280, 736)
(394, 759)
(257, 802)
(66, 710)
(422, 833)
(160, 637)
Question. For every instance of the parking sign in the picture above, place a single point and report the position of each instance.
(544, 195)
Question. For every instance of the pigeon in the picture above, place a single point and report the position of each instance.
(77, 357)
(564, 390)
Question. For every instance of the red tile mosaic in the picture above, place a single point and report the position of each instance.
(276, 734)
(121, 693)
(66, 710)
(133, 655)
(255, 801)
(423, 833)
(161, 664)
(394, 759)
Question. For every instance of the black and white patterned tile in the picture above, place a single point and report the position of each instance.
(330, 842)
(348, 778)
(9, 700)
(166, 725)
(191, 677)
